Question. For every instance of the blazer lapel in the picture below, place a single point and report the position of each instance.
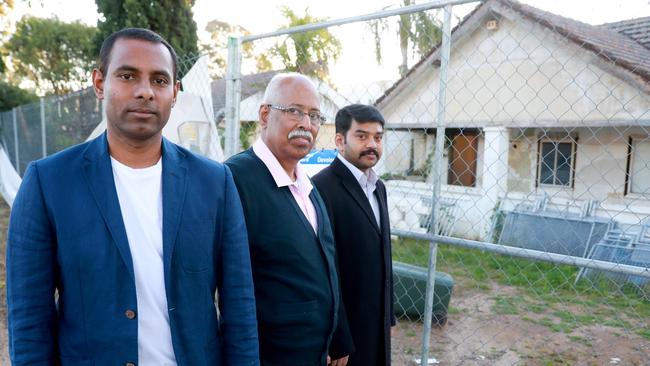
(98, 173)
(298, 211)
(174, 187)
(353, 187)
(380, 193)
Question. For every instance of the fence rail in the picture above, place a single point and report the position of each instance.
(517, 165)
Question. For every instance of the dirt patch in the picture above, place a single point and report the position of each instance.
(478, 333)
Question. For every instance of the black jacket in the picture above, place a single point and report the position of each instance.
(364, 260)
(294, 270)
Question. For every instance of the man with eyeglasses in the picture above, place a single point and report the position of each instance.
(290, 238)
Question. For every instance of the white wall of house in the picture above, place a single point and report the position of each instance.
(601, 166)
(519, 75)
(524, 76)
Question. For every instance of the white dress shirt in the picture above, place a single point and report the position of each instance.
(368, 183)
(300, 188)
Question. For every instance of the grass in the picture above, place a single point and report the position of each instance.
(545, 289)
(582, 340)
(505, 305)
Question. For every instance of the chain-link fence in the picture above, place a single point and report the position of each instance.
(527, 135)
(32, 131)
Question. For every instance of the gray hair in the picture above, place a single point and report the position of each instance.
(273, 88)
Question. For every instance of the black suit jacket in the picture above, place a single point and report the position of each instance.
(294, 269)
(364, 260)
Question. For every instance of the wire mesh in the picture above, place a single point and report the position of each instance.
(70, 119)
(546, 147)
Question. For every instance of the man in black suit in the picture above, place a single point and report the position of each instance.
(290, 238)
(356, 202)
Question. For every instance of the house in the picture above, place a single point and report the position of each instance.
(252, 94)
(540, 109)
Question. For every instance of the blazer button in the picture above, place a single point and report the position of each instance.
(130, 314)
(129, 364)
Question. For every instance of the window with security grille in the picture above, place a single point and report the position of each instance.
(640, 165)
(556, 163)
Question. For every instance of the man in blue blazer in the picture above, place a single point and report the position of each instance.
(133, 233)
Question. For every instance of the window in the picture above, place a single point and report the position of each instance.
(463, 151)
(639, 163)
(556, 163)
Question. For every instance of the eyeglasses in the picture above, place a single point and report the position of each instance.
(297, 114)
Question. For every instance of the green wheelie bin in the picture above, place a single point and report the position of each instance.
(410, 286)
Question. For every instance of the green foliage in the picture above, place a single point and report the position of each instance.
(217, 48)
(3, 66)
(417, 31)
(12, 96)
(307, 52)
(425, 33)
(545, 289)
(247, 131)
(505, 305)
(5, 6)
(55, 55)
(172, 19)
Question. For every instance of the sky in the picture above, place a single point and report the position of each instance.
(357, 61)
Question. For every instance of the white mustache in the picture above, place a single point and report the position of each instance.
(300, 133)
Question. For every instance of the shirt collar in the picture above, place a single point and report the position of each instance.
(365, 179)
(281, 177)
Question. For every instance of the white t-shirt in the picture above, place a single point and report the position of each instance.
(140, 196)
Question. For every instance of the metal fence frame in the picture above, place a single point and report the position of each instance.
(233, 94)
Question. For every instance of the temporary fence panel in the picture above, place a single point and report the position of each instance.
(525, 144)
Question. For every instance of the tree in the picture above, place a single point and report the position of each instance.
(419, 29)
(217, 48)
(5, 6)
(12, 96)
(55, 55)
(307, 52)
(172, 19)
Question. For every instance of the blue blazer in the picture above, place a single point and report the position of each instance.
(66, 234)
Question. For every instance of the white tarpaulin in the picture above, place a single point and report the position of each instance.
(9, 178)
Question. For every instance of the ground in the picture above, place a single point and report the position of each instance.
(476, 334)
(495, 324)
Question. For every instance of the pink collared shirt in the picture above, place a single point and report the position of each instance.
(300, 189)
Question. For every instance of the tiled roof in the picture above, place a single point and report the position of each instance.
(638, 29)
(611, 45)
(619, 43)
(250, 85)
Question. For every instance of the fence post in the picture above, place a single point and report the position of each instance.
(15, 120)
(233, 95)
(437, 184)
(43, 127)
